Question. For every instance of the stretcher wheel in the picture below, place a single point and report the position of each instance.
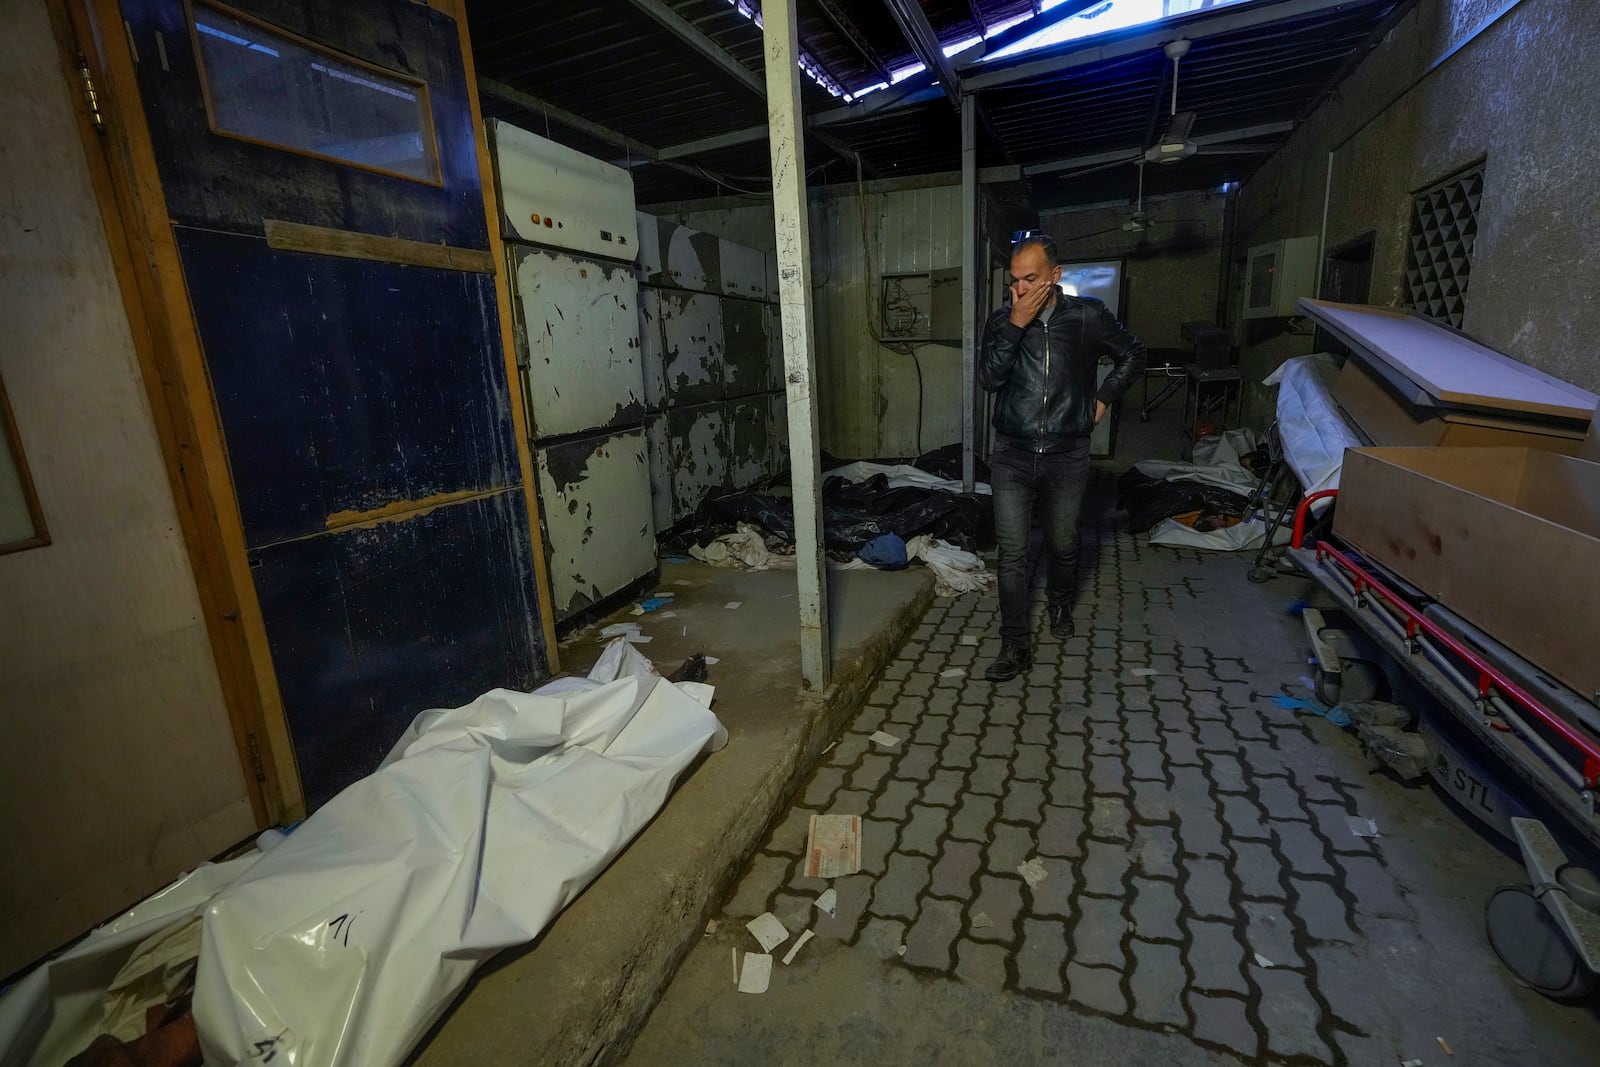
(1533, 947)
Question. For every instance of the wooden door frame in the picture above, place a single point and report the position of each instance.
(122, 164)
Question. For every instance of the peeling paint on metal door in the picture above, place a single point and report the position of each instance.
(655, 433)
(693, 258)
(596, 492)
(744, 270)
(652, 350)
(699, 459)
(581, 319)
(748, 427)
(744, 348)
(692, 328)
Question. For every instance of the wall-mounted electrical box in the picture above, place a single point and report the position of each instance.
(922, 307)
(1277, 275)
(554, 196)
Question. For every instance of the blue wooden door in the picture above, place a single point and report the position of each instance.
(364, 402)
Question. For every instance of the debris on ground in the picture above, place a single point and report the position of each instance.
(692, 669)
(953, 672)
(886, 553)
(768, 929)
(618, 629)
(827, 902)
(833, 848)
(745, 547)
(1444, 1045)
(1145, 672)
(733, 605)
(789, 956)
(878, 737)
(967, 639)
(1403, 752)
(981, 921)
(756, 974)
(1336, 714)
(1033, 872)
(657, 602)
(711, 927)
(1262, 961)
(1362, 827)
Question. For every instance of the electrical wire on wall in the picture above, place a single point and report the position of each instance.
(904, 348)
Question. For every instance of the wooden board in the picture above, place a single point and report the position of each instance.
(1453, 369)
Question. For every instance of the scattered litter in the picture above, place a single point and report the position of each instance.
(981, 921)
(830, 748)
(1336, 715)
(656, 603)
(637, 610)
(618, 629)
(1410, 1063)
(1444, 1045)
(788, 957)
(669, 614)
(967, 639)
(680, 581)
(735, 951)
(686, 631)
(901, 951)
(833, 848)
(1033, 872)
(768, 929)
(1362, 827)
(1262, 961)
(1145, 672)
(886, 740)
(711, 661)
(733, 605)
(756, 975)
(953, 672)
(638, 639)
(711, 926)
(827, 903)
(1403, 752)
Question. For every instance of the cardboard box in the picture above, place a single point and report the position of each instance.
(1508, 538)
(1388, 420)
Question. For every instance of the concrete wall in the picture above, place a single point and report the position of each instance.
(1172, 267)
(117, 760)
(1518, 96)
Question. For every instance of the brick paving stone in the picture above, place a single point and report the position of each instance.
(981, 966)
(1157, 983)
(850, 802)
(1227, 772)
(1097, 935)
(1258, 870)
(1206, 887)
(878, 837)
(942, 703)
(1141, 726)
(1001, 900)
(1070, 751)
(959, 751)
(989, 776)
(1330, 821)
(969, 719)
(1243, 817)
(1269, 932)
(999, 741)
(1096, 988)
(1060, 832)
(931, 730)
(1190, 786)
(1215, 736)
(905, 713)
(882, 937)
(1155, 850)
(958, 862)
(849, 749)
(884, 692)
(945, 789)
(1038, 703)
(1323, 912)
(1206, 704)
(822, 786)
(1005, 711)
(1104, 865)
(973, 816)
(1071, 721)
(1023, 802)
(1036, 730)
(763, 877)
(930, 939)
(916, 763)
(1374, 888)
(1106, 737)
(1138, 698)
(1200, 831)
(794, 910)
(1009, 846)
(1031, 762)
(1146, 760)
(1303, 851)
(895, 895)
(896, 670)
(1223, 1021)
(1155, 909)
(917, 684)
(1108, 818)
(1216, 956)
(1289, 1015)
(789, 836)
(1279, 798)
(925, 829)
(894, 801)
(1107, 774)
(1044, 948)
(853, 891)
(1152, 800)
(1053, 896)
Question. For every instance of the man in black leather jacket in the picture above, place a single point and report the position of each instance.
(1039, 357)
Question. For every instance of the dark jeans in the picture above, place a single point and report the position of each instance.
(1055, 482)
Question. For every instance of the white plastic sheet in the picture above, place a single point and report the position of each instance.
(344, 943)
(1239, 537)
(1312, 429)
(1215, 462)
(955, 570)
(901, 476)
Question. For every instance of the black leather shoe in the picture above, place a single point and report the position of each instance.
(1061, 622)
(1012, 661)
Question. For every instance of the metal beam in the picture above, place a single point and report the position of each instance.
(685, 31)
(715, 143)
(916, 89)
(920, 35)
(782, 47)
(850, 32)
(1195, 27)
(1132, 152)
(970, 271)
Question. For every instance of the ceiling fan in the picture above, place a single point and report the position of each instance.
(1175, 143)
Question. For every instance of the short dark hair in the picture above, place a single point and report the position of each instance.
(1043, 241)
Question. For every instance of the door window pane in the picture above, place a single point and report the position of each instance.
(267, 86)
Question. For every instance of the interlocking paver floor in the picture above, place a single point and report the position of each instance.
(1200, 884)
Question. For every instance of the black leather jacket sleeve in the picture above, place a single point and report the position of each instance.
(1127, 352)
(1002, 340)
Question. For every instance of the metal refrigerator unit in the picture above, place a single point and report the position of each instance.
(571, 237)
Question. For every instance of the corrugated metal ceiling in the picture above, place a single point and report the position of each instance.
(612, 63)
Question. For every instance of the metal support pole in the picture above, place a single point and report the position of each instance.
(787, 142)
(971, 271)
